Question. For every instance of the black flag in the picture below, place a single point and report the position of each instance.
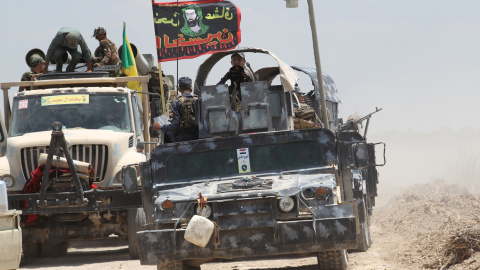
(194, 28)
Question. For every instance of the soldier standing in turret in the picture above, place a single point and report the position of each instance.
(238, 73)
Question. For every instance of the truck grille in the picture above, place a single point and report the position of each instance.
(95, 154)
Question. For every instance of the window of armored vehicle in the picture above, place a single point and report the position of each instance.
(275, 104)
(35, 113)
(263, 158)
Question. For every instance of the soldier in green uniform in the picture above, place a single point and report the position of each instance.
(106, 53)
(36, 68)
(68, 39)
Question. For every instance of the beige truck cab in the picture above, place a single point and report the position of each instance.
(105, 124)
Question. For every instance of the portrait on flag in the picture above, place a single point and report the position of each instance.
(194, 28)
(193, 17)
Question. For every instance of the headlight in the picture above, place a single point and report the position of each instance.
(167, 206)
(206, 211)
(321, 193)
(286, 204)
(9, 180)
(309, 193)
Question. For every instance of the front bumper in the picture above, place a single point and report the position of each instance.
(66, 202)
(333, 228)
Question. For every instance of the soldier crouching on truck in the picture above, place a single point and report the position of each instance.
(183, 123)
(68, 39)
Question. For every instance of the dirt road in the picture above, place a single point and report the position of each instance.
(116, 257)
(433, 226)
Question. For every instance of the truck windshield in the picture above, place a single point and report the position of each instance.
(74, 111)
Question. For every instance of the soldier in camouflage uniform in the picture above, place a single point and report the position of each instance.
(106, 53)
(154, 84)
(183, 123)
(36, 70)
(238, 73)
(305, 116)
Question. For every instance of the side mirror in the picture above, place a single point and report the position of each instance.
(380, 150)
(129, 179)
(140, 146)
(358, 155)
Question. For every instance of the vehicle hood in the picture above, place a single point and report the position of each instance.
(281, 185)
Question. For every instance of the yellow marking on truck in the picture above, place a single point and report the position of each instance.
(65, 99)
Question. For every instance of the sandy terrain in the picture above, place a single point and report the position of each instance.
(432, 226)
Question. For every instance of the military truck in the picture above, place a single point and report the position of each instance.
(102, 123)
(251, 186)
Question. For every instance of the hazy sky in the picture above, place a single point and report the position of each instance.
(418, 60)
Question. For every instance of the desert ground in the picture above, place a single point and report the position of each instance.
(427, 226)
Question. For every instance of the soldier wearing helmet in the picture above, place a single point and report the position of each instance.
(68, 39)
(106, 53)
(183, 124)
(36, 63)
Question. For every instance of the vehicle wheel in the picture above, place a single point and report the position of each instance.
(170, 266)
(54, 250)
(364, 243)
(30, 249)
(190, 267)
(136, 221)
(333, 260)
(176, 266)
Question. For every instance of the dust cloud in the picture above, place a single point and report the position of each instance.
(414, 157)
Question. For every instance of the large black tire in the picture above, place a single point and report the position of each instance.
(364, 243)
(170, 266)
(176, 266)
(136, 221)
(54, 250)
(30, 249)
(365, 240)
(333, 260)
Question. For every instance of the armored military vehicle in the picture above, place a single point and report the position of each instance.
(99, 128)
(252, 186)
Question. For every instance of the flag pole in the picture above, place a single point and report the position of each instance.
(162, 91)
(317, 64)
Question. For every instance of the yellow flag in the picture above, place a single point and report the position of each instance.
(129, 68)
